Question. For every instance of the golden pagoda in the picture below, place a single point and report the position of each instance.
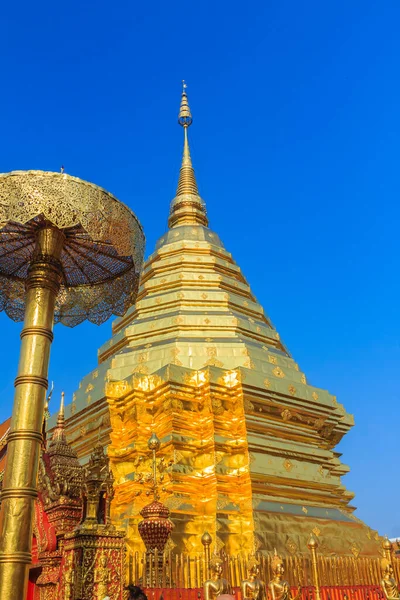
(248, 443)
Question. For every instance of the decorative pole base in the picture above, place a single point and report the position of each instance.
(94, 565)
(155, 570)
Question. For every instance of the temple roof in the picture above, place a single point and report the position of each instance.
(194, 307)
(60, 473)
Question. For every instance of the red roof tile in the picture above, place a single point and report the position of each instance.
(4, 426)
(3, 451)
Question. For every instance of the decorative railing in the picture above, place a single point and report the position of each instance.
(182, 571)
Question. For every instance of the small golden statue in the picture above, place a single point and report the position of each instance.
(69, 578)
(216, 585)
(102, 578)
(280, 590)
(388, 582)
(252, 587)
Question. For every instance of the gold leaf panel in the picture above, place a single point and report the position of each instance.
(278, 372)
(291, 546)
(288, 466)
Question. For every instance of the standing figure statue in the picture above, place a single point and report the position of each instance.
(388, 582)
(252, 587)
(279, 589)
(216, 585)
(102, 578)
(69, 578)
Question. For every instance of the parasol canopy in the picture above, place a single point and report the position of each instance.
(102, 254)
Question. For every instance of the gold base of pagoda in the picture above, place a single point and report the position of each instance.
(223, 477)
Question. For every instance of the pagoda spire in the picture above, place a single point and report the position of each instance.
(187, 208)
(61, 416)
(59, 431)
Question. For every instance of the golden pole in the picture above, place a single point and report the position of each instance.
(206, 540)
(25, 437)
(388, 549)
(312, 546)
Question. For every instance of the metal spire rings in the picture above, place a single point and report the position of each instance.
(187, 208)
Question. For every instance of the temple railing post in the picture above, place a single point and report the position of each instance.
(312, 546)
(206, 540)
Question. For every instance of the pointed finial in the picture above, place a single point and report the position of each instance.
(185, 116)
(46, 416)
(61, 411)
(62, 169)
(312, 542)
(206, 539)
(153, 442)
(187, 207)
(59, 431)
(386, 544)
(47, 403)
(51, 392)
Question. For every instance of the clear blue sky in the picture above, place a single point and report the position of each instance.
(296, 146)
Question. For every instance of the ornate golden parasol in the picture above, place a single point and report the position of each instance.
(69, 251)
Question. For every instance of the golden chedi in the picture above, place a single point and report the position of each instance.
(248, 442)
(216, 585)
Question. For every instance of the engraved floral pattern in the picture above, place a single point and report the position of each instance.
(103, 249)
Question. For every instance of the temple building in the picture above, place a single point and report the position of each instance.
(248, 444)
